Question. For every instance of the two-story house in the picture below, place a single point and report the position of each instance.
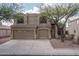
(32, 26)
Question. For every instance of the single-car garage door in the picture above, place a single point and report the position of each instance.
(42, 34)
(23, 34)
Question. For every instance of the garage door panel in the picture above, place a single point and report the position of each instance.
(43, 34)
(24, 34)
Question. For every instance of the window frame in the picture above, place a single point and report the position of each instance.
(19, 21)
(42, 21)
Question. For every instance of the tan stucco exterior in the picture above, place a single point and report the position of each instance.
(73, 27)
(32, 28)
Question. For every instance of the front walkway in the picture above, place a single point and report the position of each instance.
(26, 47)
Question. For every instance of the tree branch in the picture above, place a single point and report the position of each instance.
(69, 16)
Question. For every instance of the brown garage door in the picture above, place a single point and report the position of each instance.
(42, 34)
(23, 34)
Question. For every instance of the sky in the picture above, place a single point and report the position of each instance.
(31, 7)
(34, 7)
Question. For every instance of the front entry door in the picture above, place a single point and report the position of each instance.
(52, 31)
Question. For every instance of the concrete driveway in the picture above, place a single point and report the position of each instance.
(33, 47)
(26, 47)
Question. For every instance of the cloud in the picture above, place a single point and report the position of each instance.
(34, 10)
(46, 4)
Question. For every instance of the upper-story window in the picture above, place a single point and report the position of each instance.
(43, 19)
(20, 20)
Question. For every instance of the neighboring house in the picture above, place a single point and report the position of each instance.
(73, 27)
(32, 26)
(4, 31)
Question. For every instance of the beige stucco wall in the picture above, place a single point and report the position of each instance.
(30, 19)
(73, 26)
(33, 19)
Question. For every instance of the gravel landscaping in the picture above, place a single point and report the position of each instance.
(56, 43)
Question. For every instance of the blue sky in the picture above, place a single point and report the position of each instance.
(31, 7)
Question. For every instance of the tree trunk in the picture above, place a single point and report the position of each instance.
(62, 35)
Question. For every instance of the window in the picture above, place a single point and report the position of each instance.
(74, 31)
(66, 32)
(20, 20)
(43, 19)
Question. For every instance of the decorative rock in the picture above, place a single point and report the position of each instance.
(76, 40)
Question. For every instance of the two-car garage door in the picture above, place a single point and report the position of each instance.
(29, 34)
(23, 34)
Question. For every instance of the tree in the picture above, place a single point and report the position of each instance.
(9, 10)
(58, 12)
